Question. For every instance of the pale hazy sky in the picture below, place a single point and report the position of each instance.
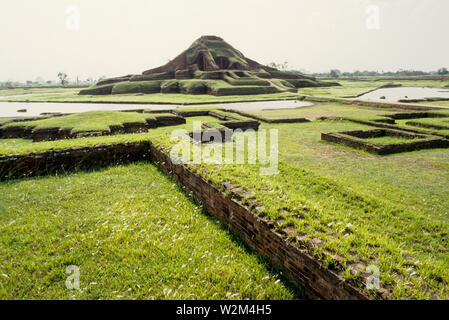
(118, 37)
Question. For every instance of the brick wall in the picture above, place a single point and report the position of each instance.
(16, 166)
(297, 265)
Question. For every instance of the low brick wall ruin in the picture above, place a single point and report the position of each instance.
(354, 139)
(18, 166)
(290, 256)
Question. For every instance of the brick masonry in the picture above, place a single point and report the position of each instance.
(354, 139)
(17, 166)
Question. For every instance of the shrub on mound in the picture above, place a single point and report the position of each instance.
(137, 87)
(97, 90)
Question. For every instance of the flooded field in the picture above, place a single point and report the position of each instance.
(405, 93)
(10, 109)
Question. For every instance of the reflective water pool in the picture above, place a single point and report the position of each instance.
(10, 109)
(404, 93)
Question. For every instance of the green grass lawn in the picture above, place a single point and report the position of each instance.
(88, 121)
(133, 233)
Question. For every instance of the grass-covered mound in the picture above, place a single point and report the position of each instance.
(208, 58)
(132, 232)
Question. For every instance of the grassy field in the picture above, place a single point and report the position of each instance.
(387, 211)
(132, 232)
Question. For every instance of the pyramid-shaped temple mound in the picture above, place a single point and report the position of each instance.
(209, 66)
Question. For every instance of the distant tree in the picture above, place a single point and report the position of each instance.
(273, 65)
(335, 73)
(443, 71)
(284, 66)
(39, 80)
(63, 78)
(279, 66)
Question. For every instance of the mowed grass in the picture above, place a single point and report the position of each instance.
(133, 233)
